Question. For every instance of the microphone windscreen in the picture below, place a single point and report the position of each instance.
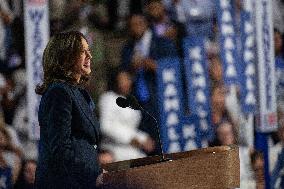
(122, 102)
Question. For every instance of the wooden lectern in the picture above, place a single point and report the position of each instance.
(207, 168)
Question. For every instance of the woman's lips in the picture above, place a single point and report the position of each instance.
(87, 64)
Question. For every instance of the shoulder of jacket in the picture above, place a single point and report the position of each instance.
(59, 87)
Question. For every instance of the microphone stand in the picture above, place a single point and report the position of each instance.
(136, 106)
(159, 137)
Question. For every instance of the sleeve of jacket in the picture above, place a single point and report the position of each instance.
(59, 122)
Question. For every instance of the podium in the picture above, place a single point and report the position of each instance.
(206, 168)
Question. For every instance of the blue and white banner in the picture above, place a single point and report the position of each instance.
(170, 106)
(266, 66)
(227, 39)
(247, 56)
(197, 78)
(36, 37)
(191, 133)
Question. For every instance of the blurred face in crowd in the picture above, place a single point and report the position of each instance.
(257, 162)
(215, 69)
(156, 10)
(29, 172)
(218, 98)
(225, 133)
(239, 4)
(280, 131)
(124, 83)
(278, 43)
(3, 140)
(137, 26)
(83, 65)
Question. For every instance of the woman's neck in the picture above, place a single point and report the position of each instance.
(77, 78)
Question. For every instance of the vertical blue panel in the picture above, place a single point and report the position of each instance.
(248, 67)
(227, 39)
(171, 108)
(197, 78)
(191, 132)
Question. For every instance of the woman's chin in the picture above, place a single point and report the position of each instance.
(86, 71)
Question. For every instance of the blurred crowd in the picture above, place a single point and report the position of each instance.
(126, 39)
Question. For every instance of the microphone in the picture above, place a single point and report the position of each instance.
(128, 102)
(132, 103)
(122, 102)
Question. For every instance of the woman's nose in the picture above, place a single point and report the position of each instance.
(89, 54)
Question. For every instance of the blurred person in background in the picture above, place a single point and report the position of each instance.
(5, 174)
(20, 119)
(277, 143)
(279, 65)
(226, 101)
(13, 93)
(11, 154)
(119, 10)
(276, 153)
(215, 69)
(278, 14)
(71, 14)
(277, 175)
(163, 26)
(27, 175)
(257, 162)
(196, 15)
(10, 129)
(159, 22)
(120, 125)
(6, 18)
(56, 14)
(76, 11)
(226, 135)
(16, 52)
(219, 111)
(2, 90)
(140, 55)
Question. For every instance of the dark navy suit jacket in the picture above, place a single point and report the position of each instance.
(69, 133)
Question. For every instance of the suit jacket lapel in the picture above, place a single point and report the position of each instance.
(84, 107)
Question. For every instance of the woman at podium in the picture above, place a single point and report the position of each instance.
(69, 131)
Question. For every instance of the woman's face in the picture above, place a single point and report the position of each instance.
(83, 65)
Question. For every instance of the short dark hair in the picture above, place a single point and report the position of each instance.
(112, 78)
(59, 58)
(276, 30)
